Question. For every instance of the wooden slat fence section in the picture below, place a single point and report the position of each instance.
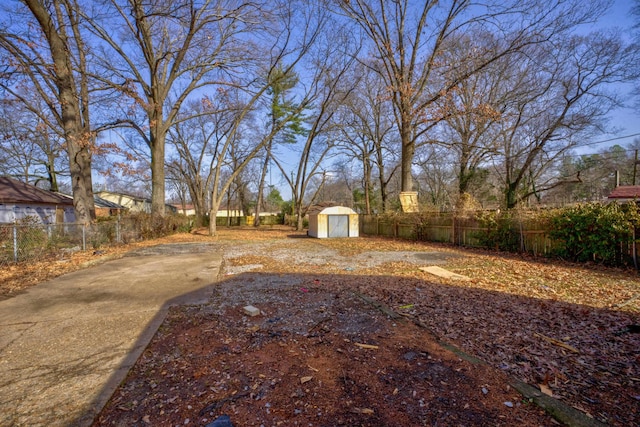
(528, 235)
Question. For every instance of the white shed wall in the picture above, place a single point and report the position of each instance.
(319, 223)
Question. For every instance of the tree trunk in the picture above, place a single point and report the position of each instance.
(466, 175)
(511, 199)
(213, 227)
(299, 221)
(381, 178)
(51, 172)
(81, 184)
(198, 203)
(213, 211)
(367, 197)
(408, 149)
(157, 174)
(406, 178)
(263, 177)
(77, 139)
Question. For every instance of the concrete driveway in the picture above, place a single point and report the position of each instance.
(66, 344)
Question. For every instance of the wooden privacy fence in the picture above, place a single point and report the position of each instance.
(523, 235)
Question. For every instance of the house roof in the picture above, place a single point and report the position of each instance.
(102, 203)
(14, 191)
(123, 195)
(183, 207)
(98, 202)
(625, 192)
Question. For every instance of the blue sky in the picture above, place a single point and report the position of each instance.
(627, 120)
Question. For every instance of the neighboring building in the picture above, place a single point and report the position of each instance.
(233, 213)
(104, 208)
(132, 203)
(327, 220)
(187, 210)
(625, 194)
(19, 200)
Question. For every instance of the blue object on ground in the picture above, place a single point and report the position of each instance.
(221, 421)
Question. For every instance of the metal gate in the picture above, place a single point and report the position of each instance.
(338, 226)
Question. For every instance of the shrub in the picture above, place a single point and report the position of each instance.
(500, 232)
(150, 227)
(594, 232)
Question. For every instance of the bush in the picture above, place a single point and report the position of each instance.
(150, 227)
(501, 231)
(595, 232)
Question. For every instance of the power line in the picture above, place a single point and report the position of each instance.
(587, 144)
(602, 156)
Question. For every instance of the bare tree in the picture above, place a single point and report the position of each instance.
(282, 104)
(164, 52)
(196, 142)
(408, 40)
(30, 149)
(327, 90)
(367, 134)
(435, 176)
(238, 103)
(566, 100)
(54, 63)
(471, 111)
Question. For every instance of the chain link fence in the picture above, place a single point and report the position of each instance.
(29, 240)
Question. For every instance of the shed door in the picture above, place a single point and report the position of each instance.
(338, 226)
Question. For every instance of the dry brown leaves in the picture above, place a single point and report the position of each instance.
(566, 328)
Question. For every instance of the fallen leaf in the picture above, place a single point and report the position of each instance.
(545, 389)
(367, 411)
(305, 379)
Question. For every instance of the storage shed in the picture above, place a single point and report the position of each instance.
(328, 220)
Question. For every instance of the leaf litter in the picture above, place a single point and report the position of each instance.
(568, 329)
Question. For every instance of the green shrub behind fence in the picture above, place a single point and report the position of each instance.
(592, 232)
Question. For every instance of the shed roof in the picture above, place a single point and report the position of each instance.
(319, 207)
(625, 192)
(329, 208)
(14, 191)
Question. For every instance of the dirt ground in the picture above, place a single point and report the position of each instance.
(347, 334)
(322, 352)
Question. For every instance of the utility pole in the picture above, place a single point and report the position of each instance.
(635, 168)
